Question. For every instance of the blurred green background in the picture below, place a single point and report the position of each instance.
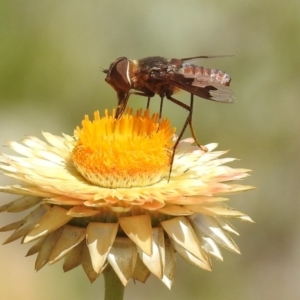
(51, 55)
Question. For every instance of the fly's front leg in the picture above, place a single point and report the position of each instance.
(123, 99)
(148, 103)
(123, 102)
(161, 107)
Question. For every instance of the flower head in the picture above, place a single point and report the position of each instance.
(105, 197)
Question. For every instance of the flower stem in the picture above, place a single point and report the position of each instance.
(114, 289)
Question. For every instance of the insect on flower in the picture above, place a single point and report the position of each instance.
(164, 77)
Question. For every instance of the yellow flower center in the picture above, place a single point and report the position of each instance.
(134, 150)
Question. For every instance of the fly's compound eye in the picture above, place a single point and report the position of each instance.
(118, 75)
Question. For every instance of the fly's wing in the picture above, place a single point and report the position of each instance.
(210, 84)
(192, 60)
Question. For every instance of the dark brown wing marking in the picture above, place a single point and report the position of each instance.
(216, 92)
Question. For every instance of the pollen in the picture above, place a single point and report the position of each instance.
(132, 151)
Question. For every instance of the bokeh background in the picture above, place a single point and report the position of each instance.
(51, 57)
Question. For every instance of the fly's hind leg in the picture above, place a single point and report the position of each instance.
(191, 126)
(187, 122)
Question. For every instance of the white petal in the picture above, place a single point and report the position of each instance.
(181, 232)
(139, 230)
(70, 237)
(169, 271)
(21, 204)
(50, 221)
(155, 262)
(100, 237)
(56, 141)
(122, 257)
(211, 247)
(209, 226)
(73, 258)
(192, 259)
(27, 224)
(87, 264)
(46, 248)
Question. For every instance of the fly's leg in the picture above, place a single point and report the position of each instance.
(161, 107)
(148, 103)
(187, 122)
(191, 126)
(123, 102)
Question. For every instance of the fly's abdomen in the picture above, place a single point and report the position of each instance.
(205, 75)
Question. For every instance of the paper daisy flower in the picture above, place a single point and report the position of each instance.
(104, 197)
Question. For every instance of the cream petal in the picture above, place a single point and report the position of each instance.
(100, 237)
(184, 145)
(236, 188)
(19, 148)
(69, 141)
(56, 141)
(52, 220)
(8, 170)
(24, 190)
(8, 160)
(225, 211)
(54, 172)
(26, 224)
(80, 211)
(141, 272)
(73, 258)
(210, 227)
(216, 209)
(155, 262)
(34, 142)
(153, 205)
(175, 210)
(229, 174)
(45, 251)
(181, 232)
(50, 156)
(122, 257)
(190, 201)
(120, 209)
(70, 237)
(139, 230)
(63, 201)
(21, 204)
(95, 204)
(86, 263)
(169, 270)
(192, 259)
